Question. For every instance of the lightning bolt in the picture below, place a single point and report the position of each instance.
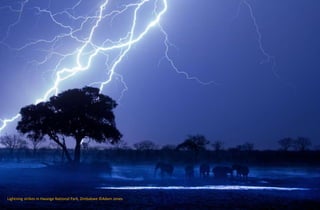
(167, 44)
(9, 120)
(88, 50)
(268, 58)
(20, 12)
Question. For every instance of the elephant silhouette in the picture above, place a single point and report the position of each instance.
(164, 169)
(204, 170)
(241, 171)
(189, 170)
(222, 171)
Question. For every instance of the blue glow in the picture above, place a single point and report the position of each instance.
(208, 187)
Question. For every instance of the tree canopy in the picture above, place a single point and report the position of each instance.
(194, 143)
(78, 113)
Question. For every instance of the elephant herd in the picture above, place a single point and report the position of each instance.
(242, 171)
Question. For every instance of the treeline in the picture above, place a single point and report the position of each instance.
(133, 156)
(90, 117)
(195, 149)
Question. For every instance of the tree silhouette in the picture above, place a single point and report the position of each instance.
(217, 145)
(36, 141)
(145, 145)
(302, 143)
(78, 113)
(247, 146)
(194, 143)
(13, 142)
(285, 143)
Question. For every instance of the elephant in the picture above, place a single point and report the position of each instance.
(222, 171)
(189, 169)
(164, 168)
(241, 170)
(204, 170)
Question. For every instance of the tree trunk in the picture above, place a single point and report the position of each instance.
(76, 159)
(62, 145)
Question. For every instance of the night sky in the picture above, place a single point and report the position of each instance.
(262, 58)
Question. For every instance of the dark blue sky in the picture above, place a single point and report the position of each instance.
(252, 98)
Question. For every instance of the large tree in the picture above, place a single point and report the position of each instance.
(78, 113)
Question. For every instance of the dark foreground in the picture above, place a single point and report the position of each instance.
(49, 189)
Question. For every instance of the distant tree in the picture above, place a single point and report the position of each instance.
(194, 143)
(36, 141)
(145, 145)
(286, 143)
(121, 145)
(22, 144)
(302, 143)
(13, 142)
(248, 146)
(217, 145)
(78, 113)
